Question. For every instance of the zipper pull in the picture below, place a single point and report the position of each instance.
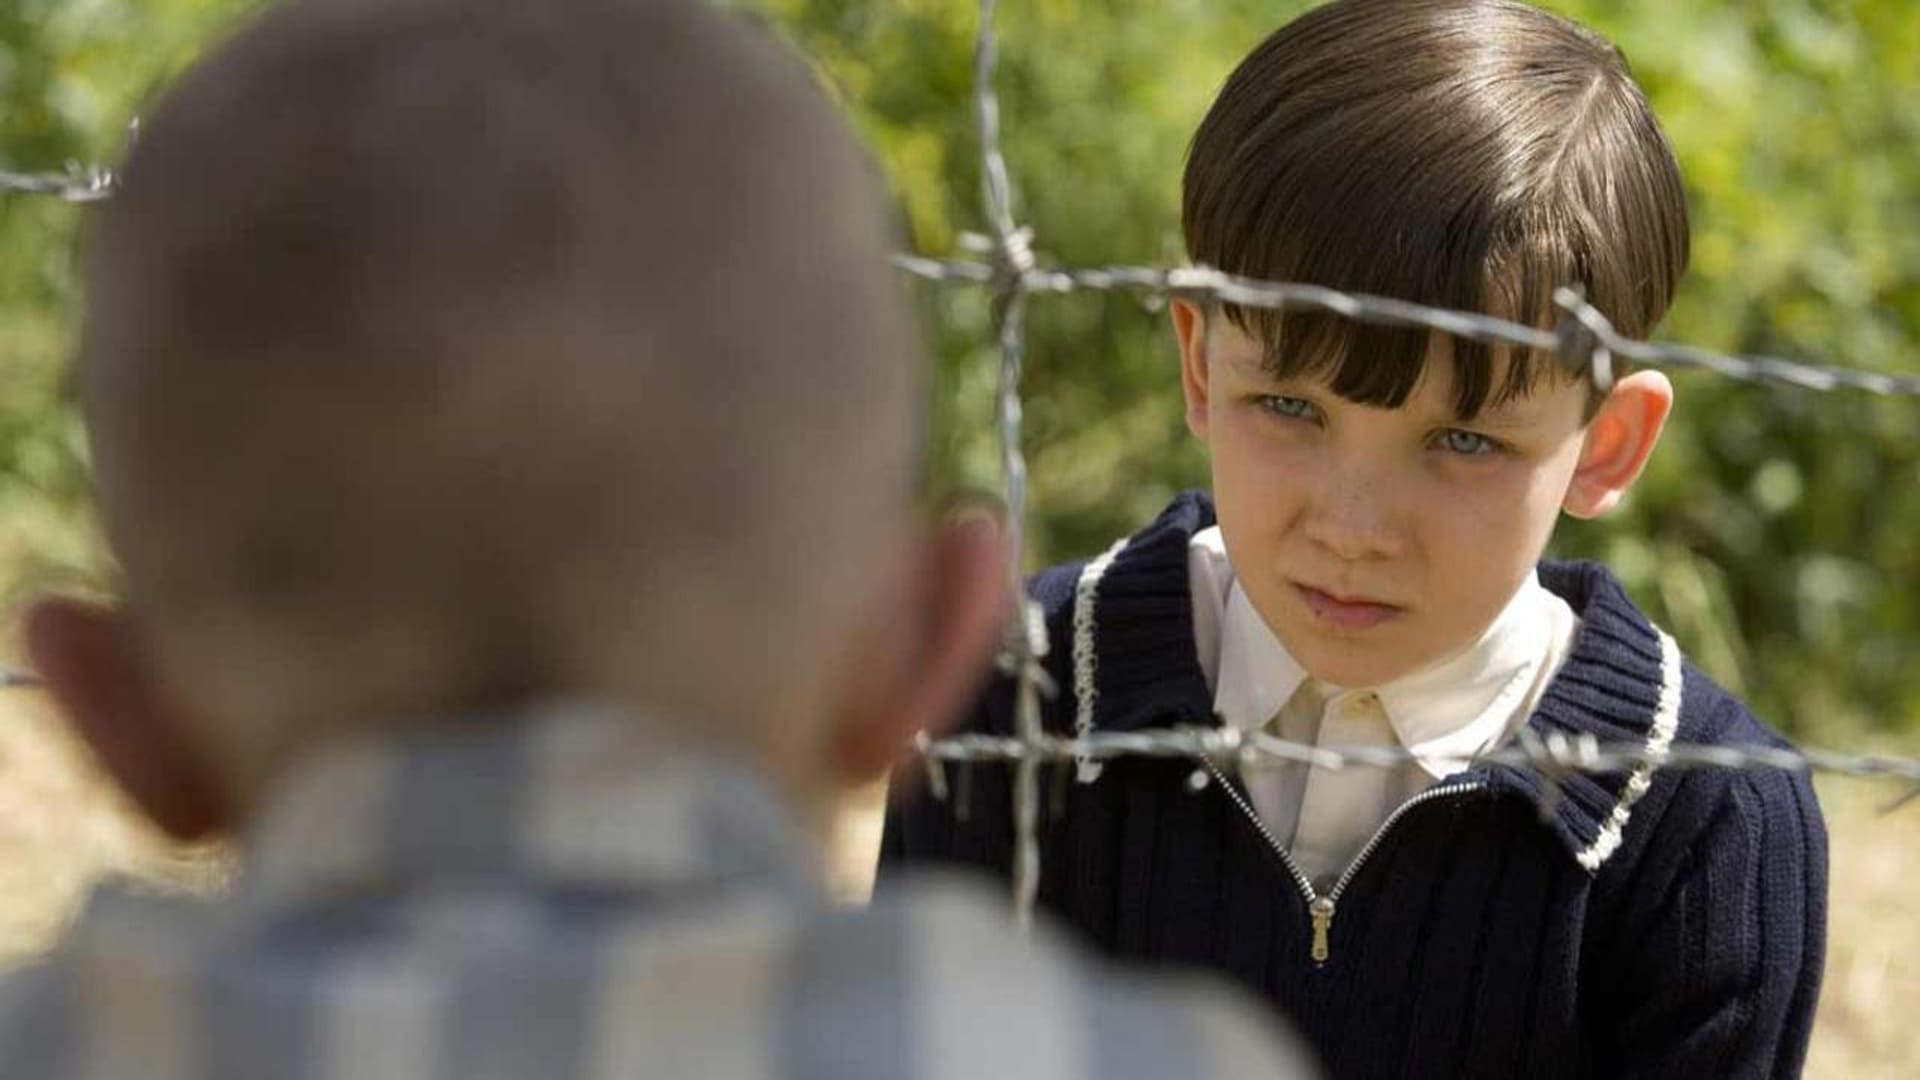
(1322, 911)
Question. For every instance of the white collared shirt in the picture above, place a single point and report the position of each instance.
(1447, 713)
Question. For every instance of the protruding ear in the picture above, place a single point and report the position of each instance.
(1190, 328)
(1619, 440)
(925, 655)
(87, 656)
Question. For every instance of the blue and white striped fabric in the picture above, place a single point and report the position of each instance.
(555, 895)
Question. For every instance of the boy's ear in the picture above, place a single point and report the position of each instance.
(1190, 328)
(926, 652)
(87, 656)
(1619, 440)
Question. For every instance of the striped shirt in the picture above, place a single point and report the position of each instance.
(556, 895)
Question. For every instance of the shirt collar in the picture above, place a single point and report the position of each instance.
(1462, 705)
(1256, 675)
(581, 795)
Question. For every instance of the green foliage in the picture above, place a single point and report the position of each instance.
(1774, 532)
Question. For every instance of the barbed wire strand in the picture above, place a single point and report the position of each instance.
(1552, 755)
(76, 185)
(1583, 339)
(1026, 636)
(1583, 334)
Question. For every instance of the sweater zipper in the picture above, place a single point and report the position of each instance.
(1321, 909)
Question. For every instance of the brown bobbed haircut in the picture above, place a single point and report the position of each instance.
(1468, 154)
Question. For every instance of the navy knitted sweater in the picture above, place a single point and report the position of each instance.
(1662, 923)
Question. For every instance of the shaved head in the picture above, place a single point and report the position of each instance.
(442, 355)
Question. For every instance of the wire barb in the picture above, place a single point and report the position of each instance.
(75, 185)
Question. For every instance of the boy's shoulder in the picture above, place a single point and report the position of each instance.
(1120, 630)
(1627, 683)
(1614, 631)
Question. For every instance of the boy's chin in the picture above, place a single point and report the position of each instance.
(1355, 665)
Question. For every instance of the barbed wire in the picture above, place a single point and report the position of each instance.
(1584, 337)
(75, 185)
(1026, 636)
(1551, 757)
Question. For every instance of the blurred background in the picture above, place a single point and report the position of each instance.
(1775, 534)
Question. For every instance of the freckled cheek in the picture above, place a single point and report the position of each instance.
(1259, 484)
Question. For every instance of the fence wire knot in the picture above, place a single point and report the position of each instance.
(1025, 646)
(1553, 758)
(76, 184)
(1010, 256)
(1583, 336)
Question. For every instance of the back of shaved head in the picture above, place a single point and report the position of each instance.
(450, 353)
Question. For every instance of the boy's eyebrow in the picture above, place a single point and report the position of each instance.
(1509, 414)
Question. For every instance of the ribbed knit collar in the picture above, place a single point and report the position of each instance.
(1620, 682)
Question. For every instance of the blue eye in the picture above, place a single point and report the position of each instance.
(1291, 407)
(1467, 443)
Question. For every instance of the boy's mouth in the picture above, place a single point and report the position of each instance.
(1346, 612)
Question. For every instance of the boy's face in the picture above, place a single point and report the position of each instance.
(1376, 542)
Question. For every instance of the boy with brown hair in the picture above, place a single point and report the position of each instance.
(505, 414)
(1367, 573)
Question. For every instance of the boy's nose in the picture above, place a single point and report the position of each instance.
(1352, 521)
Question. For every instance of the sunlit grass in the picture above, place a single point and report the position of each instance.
(1866, 1027)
